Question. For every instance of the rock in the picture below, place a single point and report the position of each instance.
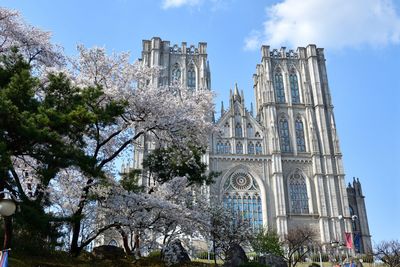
(235, 256)
(108, 252)
(272, 260)
(175, 253)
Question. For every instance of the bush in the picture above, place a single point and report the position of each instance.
(314, 265)
(156, 254)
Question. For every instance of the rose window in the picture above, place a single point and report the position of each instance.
(241, 182)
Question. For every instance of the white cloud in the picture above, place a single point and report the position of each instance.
(214, 5)
(328, 23)
(179, 3)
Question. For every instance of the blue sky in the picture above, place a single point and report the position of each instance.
(362, 47)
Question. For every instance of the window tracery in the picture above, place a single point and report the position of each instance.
(279, 87)
(238, 130)
(294, 87)
(239, 148)
(191, 77)
(258, 148)
(298, 194)
(241, 195)
(284, 135)
(250, 130)
(301, 144)
(250, 148)
(176, 73)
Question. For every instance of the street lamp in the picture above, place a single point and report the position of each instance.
(8, 205)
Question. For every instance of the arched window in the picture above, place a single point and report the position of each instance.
(226, 129)
(298, 194)
(191, 77)
(250, 131)
(238, 130)
(284, 135)
(279, 88)
(250, 148)
(239, 148)
(176, 73)
(301, 144)
(242, 197)
(353, 222)
(220, 147)
(294, 87)
(258, 148)
(227, 148)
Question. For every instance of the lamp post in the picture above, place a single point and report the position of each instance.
(343, 218)
(8, 205)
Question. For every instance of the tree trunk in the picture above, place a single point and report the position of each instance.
(76, 220)
(128, 250)
(7, 232)
(76, 228)
(136, 247)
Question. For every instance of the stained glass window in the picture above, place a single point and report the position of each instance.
(279, 88)
(191, 77)
(250, 131)
(250, 148)
(294, 87)
(242, 197)
(239, 148)
(301, 144)
(238, 130)
(176, 73)
(298, 194)
(258, 148)
(227, 148)
(284, 135)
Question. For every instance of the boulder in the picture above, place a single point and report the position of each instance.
(175, 253)
(235, 256)
(108, 252)
(272, 260)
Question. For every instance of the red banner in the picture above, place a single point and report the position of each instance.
(349, 242)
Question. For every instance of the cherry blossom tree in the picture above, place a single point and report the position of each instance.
(75, 120)
(32, 42)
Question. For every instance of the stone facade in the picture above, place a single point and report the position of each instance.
(281, 167)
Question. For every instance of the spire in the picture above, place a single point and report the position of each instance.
(236, 95)
(251, 109)
(222, 108)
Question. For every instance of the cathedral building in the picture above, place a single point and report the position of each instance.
(282, 166)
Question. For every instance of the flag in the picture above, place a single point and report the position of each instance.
(349, 243)
(4, 258)
(357, 242)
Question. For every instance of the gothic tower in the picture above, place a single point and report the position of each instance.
(283, 168)
(185, 65)
(360, 228)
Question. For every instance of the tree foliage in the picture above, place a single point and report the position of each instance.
(388, 252)
(266, 241)
(166, 163)
(62, 130)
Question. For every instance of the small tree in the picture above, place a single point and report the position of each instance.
(388, 252)
(298, 242)
(227, 230)
(267, 241)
